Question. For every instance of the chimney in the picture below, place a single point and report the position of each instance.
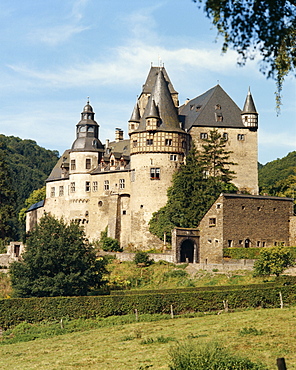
(118, 134)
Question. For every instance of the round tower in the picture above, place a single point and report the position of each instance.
(157, 148)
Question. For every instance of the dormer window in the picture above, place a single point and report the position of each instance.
(219, 117)
(149, 141)
(217, 106)
(88, 163)
(168, 142)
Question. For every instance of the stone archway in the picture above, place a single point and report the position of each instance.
(185, 245)
(187, 251)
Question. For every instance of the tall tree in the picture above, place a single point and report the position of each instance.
(264, 26)
(190, 196)
(215, 158)
(58, 261)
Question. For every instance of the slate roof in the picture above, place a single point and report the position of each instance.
(249, 106)
(249, 196)
(166, 110)
(204, 110)
(36, 206)
(56, 172)
(151, 78)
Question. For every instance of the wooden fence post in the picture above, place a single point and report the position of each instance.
(281, 364)
(281, 300)
(136, 312)
(172, 312)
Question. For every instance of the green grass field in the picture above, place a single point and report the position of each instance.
(261, 335)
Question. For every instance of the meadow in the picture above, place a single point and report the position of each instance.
(121, 343)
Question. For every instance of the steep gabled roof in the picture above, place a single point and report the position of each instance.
(249, 106)
(161, 99)
(56, 173)
(214, 108)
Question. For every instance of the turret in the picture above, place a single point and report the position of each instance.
(134, 121)
(249, 113)
(87, 132)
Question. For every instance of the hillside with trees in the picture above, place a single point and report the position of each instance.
(278, 177)
(25, 166)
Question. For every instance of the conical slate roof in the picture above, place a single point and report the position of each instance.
(135, 117)
(249, 106)
(151, 78)
(214, 108)
(162, 99)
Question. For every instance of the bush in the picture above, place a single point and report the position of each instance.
(142, 258)
(110, 245)
(273, 261)
(210, 356)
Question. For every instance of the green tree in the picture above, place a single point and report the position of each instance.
(58, 261)
(142, 258)
(273, 261)
(7, 198)
(191, 195)
(215, 159)
(264, 26)
(35, 197)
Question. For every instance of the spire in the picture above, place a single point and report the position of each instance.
(153, 111)
(135, 117)
(161, 106)
(249, 106)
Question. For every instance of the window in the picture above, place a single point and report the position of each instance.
(95, 186)
(218, 206)
(212, 221)
(61, 191)
(263, 244)
(168, 142)
(100, 203)
(219, 117)
(106, 185)
(258, 208)
(124, 212)
(135, 143)
(149, 141)
(243, 207)
(225, 136)
(240, 137)
(217, 106)
(52, 191)
(88, 163)
(87, 185)
(184, 144)
(173, 157)
(203, 135)
(154, 173)
(198, 108)
(73, 164)
(121, 183)
(72, 187)
(132, 126)
(230, 243)
(258, 243)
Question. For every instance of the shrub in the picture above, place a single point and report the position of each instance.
(142, 258)
(110, 245)
(209, 356)
(273, 261)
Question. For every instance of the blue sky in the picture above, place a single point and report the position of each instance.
(54, 54)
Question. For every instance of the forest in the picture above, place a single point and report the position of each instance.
(24, 167)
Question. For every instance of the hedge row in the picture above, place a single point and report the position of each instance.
(16, 310)
(247, 253)
(193, 289)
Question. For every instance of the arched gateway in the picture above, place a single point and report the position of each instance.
(185, 245)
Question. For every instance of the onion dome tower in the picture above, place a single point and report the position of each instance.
(87, 149)
(249, 113)
(87, 132)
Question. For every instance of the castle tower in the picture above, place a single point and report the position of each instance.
(134, 121)
(157, 147)
(249, 113)
(87, 149)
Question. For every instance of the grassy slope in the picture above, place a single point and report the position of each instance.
(118, 347)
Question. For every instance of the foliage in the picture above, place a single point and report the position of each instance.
(29, 166)
(209, 356)
(249, 253)
(142, 258)
(58, 261)
(7, 197)
(273, 260)
(36, 196)
(108, 244)
(16, 310)
(273, 175)
(215, 159)
(192, 192)
(253, 26)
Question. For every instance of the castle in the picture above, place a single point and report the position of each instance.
(119, 184)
